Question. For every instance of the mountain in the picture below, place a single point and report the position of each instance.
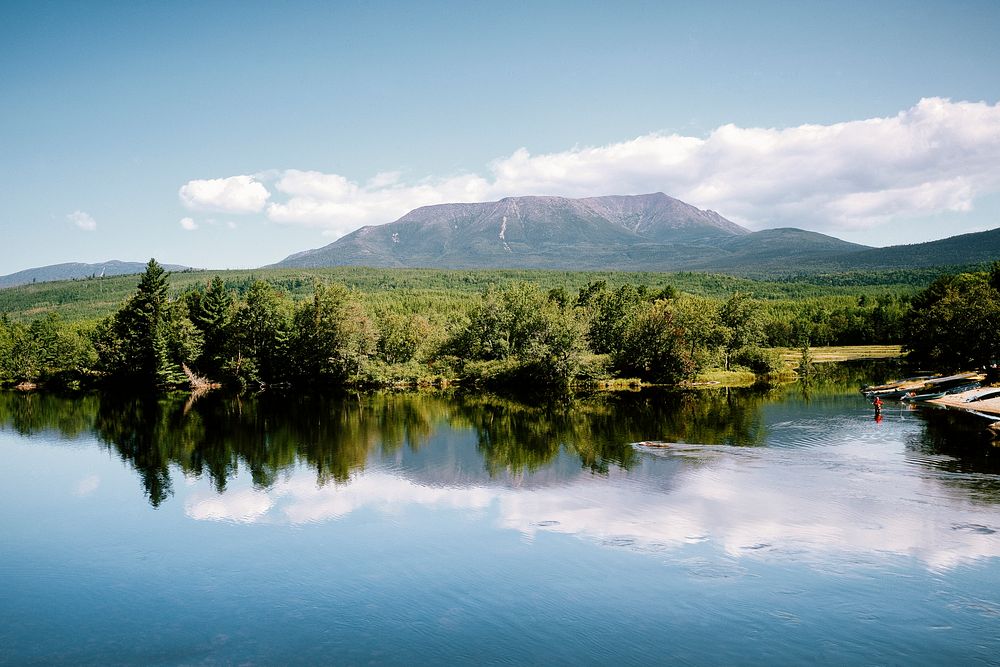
(964, 249)
(76, 271)
(650, 232)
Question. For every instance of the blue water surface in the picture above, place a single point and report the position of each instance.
(782, 527)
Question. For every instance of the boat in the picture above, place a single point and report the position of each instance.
(962, 388)
(924, 386)
(914, 397)
(993, 392)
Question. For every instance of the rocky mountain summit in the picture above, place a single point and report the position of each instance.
(630, 232)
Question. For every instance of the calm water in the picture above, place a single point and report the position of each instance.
(416, 529)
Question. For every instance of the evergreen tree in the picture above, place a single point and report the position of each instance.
(805, 358)
(149, 338)
(259, 338)
(211, 313)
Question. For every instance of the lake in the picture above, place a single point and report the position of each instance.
(789, 526)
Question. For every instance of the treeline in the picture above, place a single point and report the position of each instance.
(955, 322)
(432, 289)
(254, 335)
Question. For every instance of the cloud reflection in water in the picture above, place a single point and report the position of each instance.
(760, 503)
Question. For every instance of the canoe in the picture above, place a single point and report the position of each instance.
(992, 418)
(962, 388)
(920, 398)
(986, 395)
(901, 389)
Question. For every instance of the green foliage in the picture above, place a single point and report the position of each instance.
(332, 338)
(149, 338)
(761, 361)
(805, 358)
(400, 337)
(554, 353)
(953, 324)
(654, 346)
(742, 325)
(611, 314)
(699, 318)
(446, 290)
(994, 275)
(386, 327)
(536, 338)
(211, 313)
(259, 338)
(43, 351)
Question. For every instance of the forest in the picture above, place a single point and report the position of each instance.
(249, 333)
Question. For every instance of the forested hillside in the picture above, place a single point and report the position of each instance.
(377, 327)
(88, 301)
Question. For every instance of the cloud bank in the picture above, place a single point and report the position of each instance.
(935, 157)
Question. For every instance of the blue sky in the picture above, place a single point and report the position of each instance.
(232, 134)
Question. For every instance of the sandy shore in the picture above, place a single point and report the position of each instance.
(990, 406)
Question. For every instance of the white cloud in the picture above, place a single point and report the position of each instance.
(82, 220)
(236, 194)
(935, 157)
(188, 224)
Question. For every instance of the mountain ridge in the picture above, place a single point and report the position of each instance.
(652, 232)
(628, 232)
(77, 271)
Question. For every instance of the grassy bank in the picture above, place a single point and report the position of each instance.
(792, 356)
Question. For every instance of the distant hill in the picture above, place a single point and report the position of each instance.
(77, 271)
(651, 232)
(961, 250)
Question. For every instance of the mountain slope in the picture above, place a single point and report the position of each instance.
(651, 232)
(524, 232)
(974, 248)
(779, 248)
(963, 250)
(662, 218)
(76, 271)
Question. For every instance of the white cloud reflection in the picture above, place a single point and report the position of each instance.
(800, 508)
(87, 486)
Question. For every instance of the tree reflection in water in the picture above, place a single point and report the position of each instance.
(336, 437)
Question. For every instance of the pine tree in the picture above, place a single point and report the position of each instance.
(146, 340)
(805, 358)
(212, 314)
(259, 338)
